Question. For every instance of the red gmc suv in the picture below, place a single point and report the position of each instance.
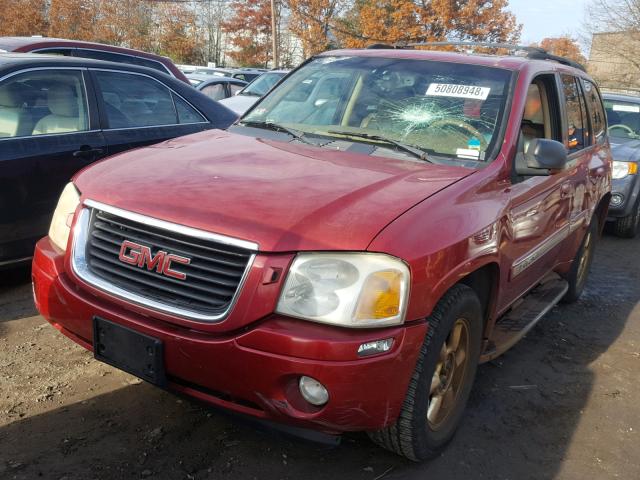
(344, 256)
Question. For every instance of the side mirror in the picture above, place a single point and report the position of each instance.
(541, 158)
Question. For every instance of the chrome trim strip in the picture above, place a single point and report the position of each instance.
(172, 227)
(524, 262)
(16, 261)
(81, 268)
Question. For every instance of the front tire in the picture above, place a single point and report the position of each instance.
(577, 277)
(627, 227)
(442, 379)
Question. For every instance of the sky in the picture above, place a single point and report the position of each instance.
(548, 18)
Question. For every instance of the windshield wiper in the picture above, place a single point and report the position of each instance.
(415, 151)
(276, 127)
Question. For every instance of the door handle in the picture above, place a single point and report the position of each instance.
(88, 152)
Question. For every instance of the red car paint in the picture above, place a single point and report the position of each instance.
(35, 44)
(445, 222)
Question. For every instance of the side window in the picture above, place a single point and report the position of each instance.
(56, 51)
(215, 91)
(577, 125)
(541, 114)
(596, 111)
(120, 58)
(186, 113)
(135, 100)
(235, 88)
(43, 102)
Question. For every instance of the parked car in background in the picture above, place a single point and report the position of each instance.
(187, 69)
(623, 113)
(216, 88)
(59, 114)
(344, 256)
(248, 96)
(96, 51)
(246, 74)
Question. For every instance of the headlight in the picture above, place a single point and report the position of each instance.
(622, 169)
(347, 289)
(63, 216)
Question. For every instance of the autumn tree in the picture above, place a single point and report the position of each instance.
(74, 19)
(563, 46)
(128, 23)
(23, 17)
(405, 21)
(177, 32)
(311, 22)
(249, 29)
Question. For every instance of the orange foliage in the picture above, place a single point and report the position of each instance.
(250, 31)
(311, 21)
(565, 47)
(405, 21)
(23, 17)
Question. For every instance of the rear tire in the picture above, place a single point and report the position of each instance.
(627, 227)
(442, 379)
(577, 277)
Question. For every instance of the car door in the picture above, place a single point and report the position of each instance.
(137, 110)
(48, 131)
(540, 205)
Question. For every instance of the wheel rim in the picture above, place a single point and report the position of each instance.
(584, 258)
(448, 377)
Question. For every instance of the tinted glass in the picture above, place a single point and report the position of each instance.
(43, 102)
(623, 118)
(578, 128)
(448, 109)
(215, 91)
(261, 85)
(186, 113)
(135, 100)
(596, 110)
(120, 58)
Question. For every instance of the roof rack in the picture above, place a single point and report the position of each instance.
(534, 53)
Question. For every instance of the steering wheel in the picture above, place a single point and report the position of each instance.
(621, 126)
(454, 122)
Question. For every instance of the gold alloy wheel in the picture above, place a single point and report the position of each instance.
(449, 374)
(584, 258)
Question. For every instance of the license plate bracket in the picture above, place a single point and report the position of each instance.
(129, 350)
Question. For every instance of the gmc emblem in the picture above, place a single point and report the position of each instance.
(140, 256)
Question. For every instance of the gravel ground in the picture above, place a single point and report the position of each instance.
(562, 404)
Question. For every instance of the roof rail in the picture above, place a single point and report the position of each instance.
(534, 53)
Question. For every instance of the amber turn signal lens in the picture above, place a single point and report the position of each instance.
(380, 297)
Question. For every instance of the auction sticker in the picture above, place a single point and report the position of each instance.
(458, 91)
(627, 108)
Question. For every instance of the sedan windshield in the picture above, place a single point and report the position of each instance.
(624, 118)
(448, 109)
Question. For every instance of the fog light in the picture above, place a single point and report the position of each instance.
(371, 348)
(616, 200)
(313, 391)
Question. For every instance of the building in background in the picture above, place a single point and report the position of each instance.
(614, 61)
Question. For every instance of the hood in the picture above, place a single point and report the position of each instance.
(625, 149)
(282, 196)
(239, 103)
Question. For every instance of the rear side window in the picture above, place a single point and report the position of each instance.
(135, 100)
(120, 58)
(577, 124)
(43, 103)
(596, 111)
(215, 91)
(186, 113)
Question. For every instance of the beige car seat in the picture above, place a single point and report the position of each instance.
(65, 116)
(11, 110)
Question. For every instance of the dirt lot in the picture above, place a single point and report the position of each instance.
(562, 404)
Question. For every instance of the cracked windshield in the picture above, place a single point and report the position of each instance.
(624, 118)
(439, 108)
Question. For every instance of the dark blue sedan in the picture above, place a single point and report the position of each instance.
(59, 114)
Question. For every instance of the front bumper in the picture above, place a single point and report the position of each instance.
(254, 370)
(628, 189)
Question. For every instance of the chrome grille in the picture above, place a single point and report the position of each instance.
(213, 276)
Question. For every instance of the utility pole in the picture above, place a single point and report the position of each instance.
(274, 34)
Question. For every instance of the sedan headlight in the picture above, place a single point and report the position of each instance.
(63, 216)
(622, 169)
(347, 289)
